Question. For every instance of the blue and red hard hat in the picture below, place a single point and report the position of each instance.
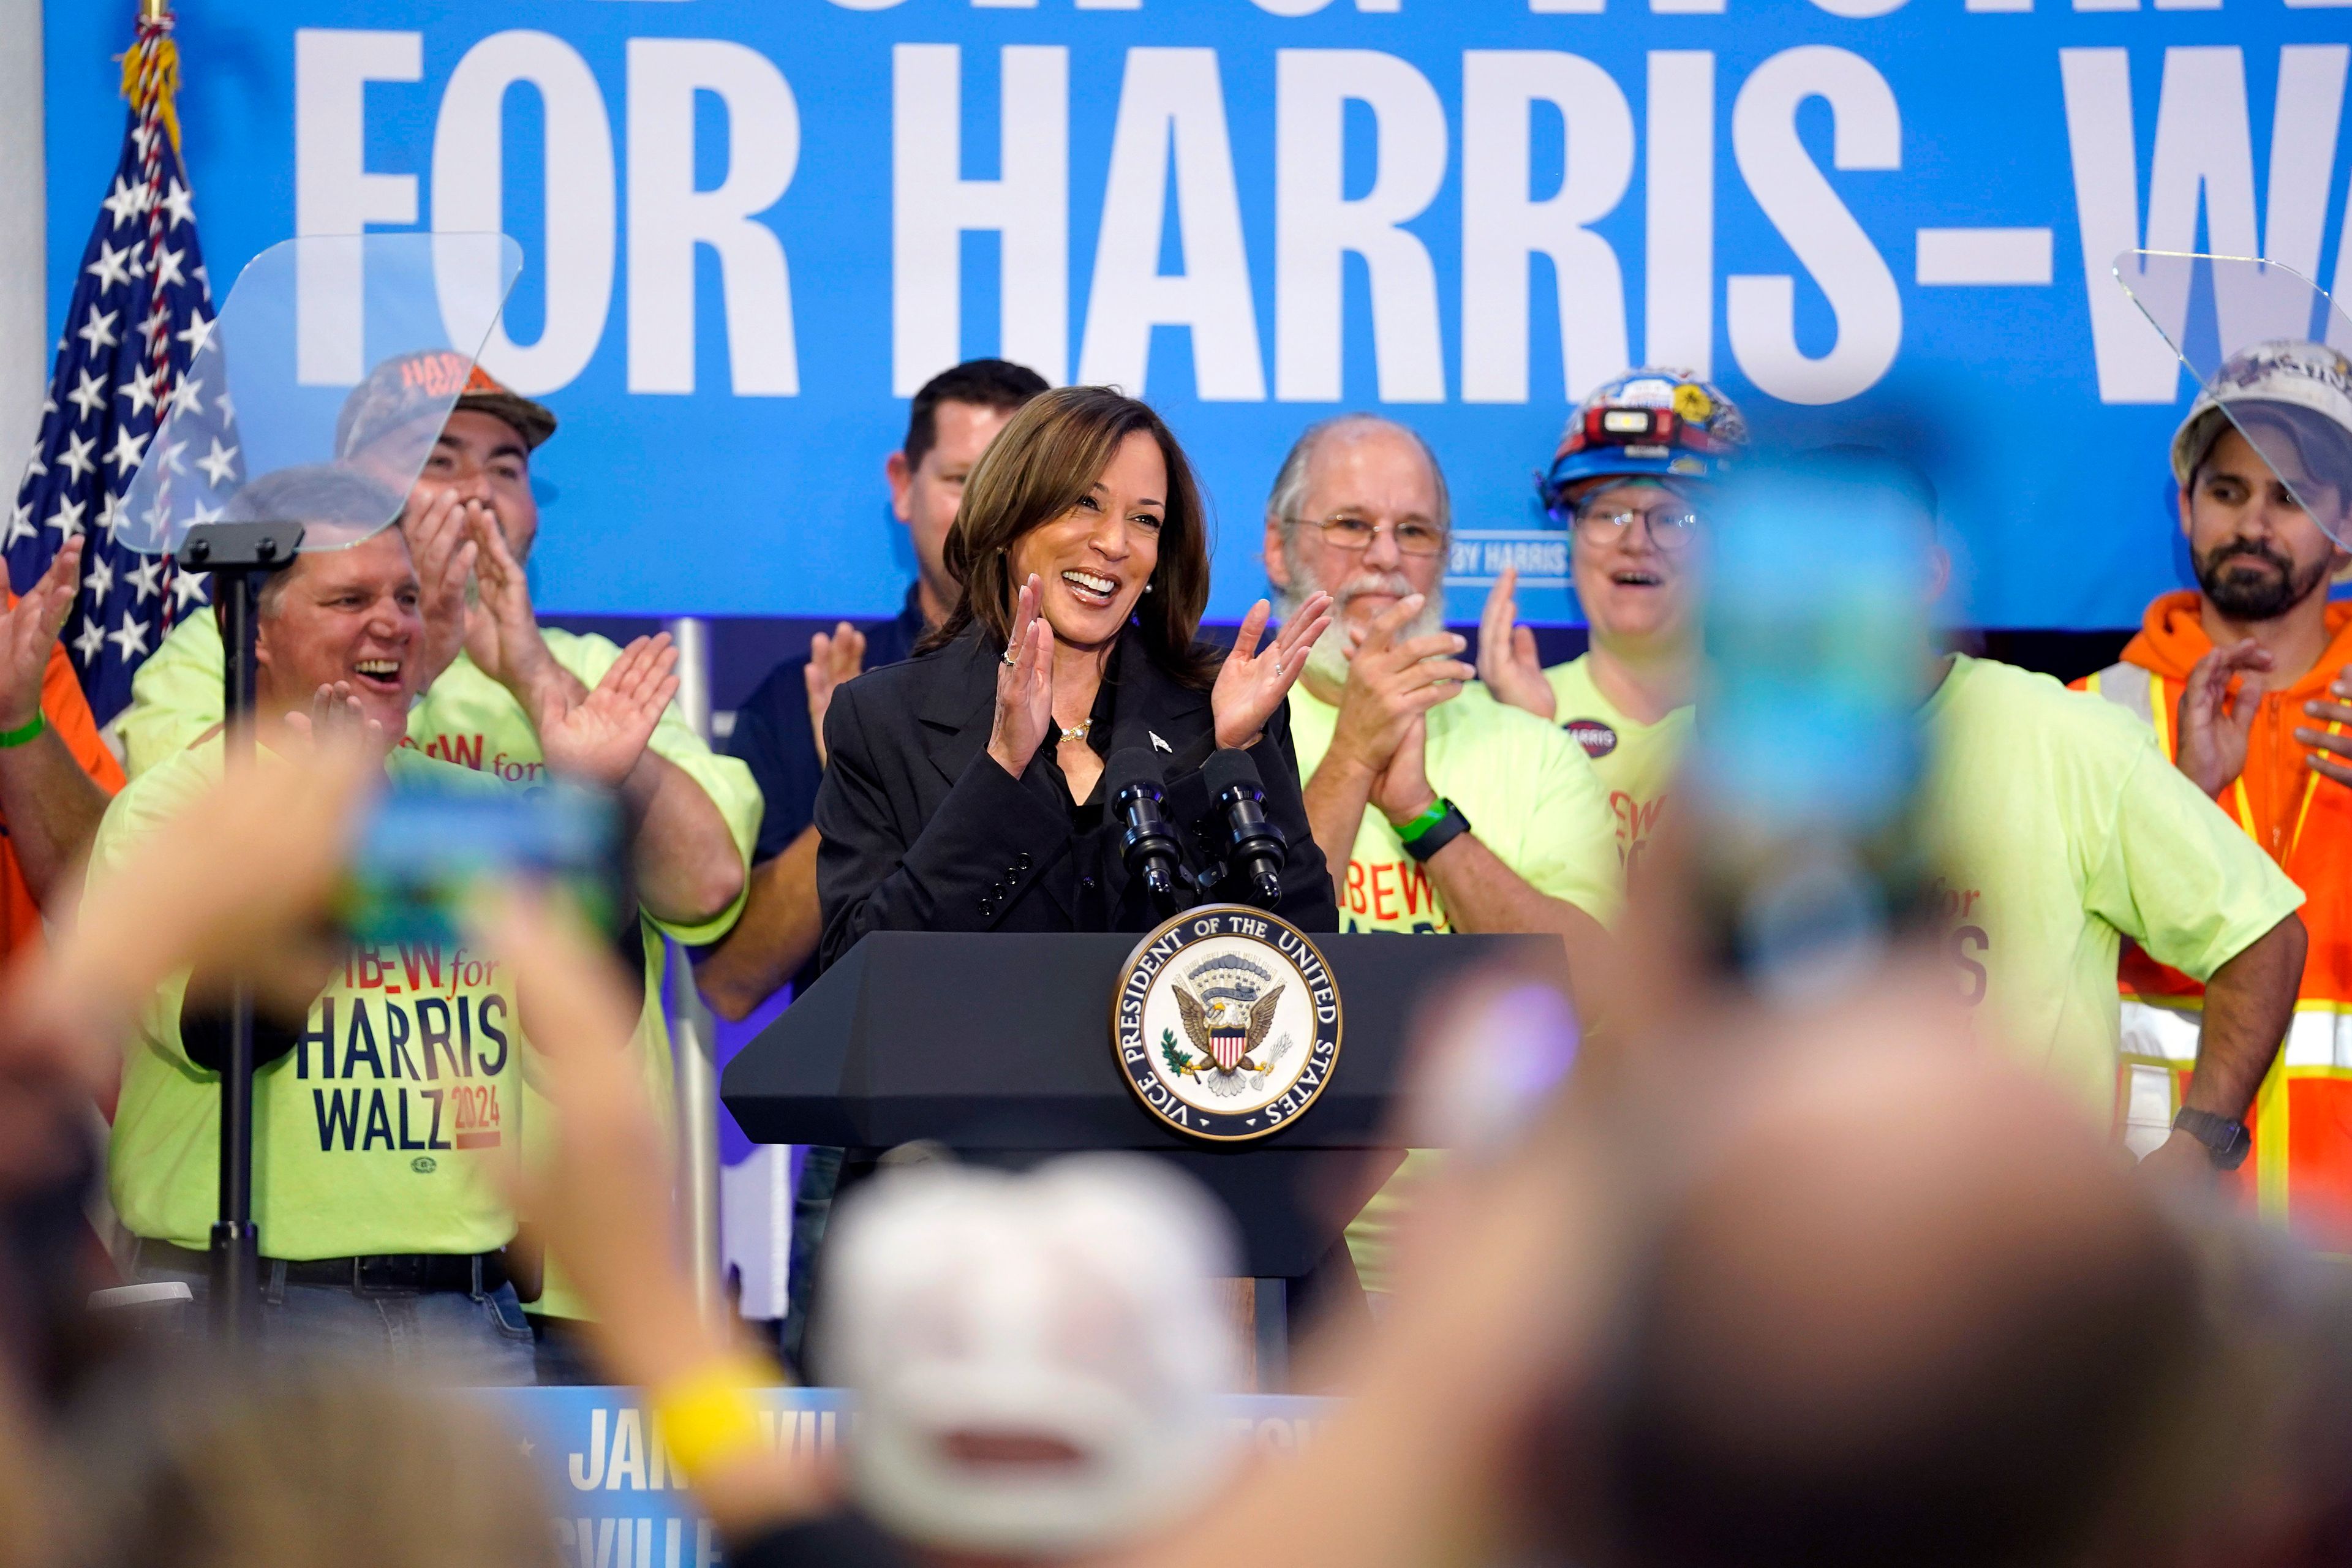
(1651, 423)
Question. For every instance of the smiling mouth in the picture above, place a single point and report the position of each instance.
(1090, 587)
(378, 674)
(1637, 579)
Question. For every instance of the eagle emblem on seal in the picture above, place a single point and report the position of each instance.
(1228, 1022)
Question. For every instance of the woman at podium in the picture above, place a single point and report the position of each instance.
(965, 789)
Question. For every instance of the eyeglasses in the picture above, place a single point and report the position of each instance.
(1355, 535)
(1672, 528)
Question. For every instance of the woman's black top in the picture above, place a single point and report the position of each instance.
(922, 830)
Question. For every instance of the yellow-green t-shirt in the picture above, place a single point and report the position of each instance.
(392, 1125)
(1532, 798)
(469, 720)
(1529, 793)
(1636, 763)
(2060, 828)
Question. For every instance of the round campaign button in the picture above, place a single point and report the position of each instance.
(1226, 1023)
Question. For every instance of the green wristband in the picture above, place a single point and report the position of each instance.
(1407, 832)
(29, 733)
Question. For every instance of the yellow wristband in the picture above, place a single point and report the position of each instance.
(709, 1416)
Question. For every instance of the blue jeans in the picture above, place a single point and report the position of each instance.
(463, 1338)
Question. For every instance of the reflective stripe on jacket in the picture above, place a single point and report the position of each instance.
(2300, 1168)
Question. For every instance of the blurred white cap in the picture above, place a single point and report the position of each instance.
(1038, 1358)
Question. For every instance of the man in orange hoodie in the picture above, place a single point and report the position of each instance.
(2245, 680)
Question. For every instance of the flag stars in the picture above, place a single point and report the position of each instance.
(98, 331)
(20, 525)
(219, 464)
(140, 390)
(88, 395)
(176, 203)
(99, 581)
(167, 268)
(130, 639)
(185, 397)
(92, 639)
(112, 513)
(67, 517)
(76, 454)
(193, 334)
(148, 579)
(128, 449)
(126, 202)
(110, 268)
(189, 588)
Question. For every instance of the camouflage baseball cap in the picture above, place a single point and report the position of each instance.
(411, 385)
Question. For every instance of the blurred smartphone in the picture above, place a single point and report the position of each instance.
(1811, 749)
(424, 853)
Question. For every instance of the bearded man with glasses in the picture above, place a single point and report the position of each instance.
(1630, 483)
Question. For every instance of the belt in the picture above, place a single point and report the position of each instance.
(376, 1274)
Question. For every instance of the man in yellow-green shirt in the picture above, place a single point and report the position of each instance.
(485, 669)
(1628, 484)
(1438, 808)
(388, 1113)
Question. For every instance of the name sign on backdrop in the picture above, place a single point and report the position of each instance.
(618, 1501)
(753, 227)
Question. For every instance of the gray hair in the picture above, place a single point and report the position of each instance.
(1289, 499)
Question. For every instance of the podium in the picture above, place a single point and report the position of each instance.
(999, 1048)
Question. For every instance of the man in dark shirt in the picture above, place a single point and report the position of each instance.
(779, 732)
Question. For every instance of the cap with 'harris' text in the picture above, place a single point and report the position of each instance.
(408, 385)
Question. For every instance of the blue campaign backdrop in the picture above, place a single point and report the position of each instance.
(751, 226)
(617, 1502)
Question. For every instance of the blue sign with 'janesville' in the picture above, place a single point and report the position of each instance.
(753, 226)
(615, 1500)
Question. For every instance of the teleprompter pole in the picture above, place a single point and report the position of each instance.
(240, 556)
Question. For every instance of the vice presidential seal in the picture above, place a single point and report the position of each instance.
(1226, 1023)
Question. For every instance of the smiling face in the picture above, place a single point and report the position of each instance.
(1633, 587)
(347, 614)
(2256, 551)
(1364, 475)
(1095, 558)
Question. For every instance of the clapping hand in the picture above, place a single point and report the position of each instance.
(2213, 725)
(502, 631)
(832, 660)
(2331, 756)
(441, 538)
(599, 738)
(1253, 684)
(1025, 685)
(336, 720)
(29, 630)
(1507, 661)
(1391, 684)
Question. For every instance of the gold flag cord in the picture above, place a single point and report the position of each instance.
(150, 69)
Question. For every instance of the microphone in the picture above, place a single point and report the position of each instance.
(1147, 843)
(1259, 849)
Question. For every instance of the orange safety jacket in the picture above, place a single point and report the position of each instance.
(2300, 1171)
(67, 712)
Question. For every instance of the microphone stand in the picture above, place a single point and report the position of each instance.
(240, 556)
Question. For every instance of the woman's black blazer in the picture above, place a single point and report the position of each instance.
(922, 830)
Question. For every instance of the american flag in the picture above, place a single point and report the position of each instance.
(142, 304)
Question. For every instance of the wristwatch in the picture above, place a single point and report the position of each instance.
(1440, 825)
(2226, 1141)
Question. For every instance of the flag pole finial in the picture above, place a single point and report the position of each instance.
(152, 11)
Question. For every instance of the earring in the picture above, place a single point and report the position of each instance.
(1146, 588)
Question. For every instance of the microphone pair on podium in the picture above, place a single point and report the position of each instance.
(1238, 844)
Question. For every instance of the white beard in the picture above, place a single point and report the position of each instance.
(1327, 659)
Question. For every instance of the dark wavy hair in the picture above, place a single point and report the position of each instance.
(1040, 466)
